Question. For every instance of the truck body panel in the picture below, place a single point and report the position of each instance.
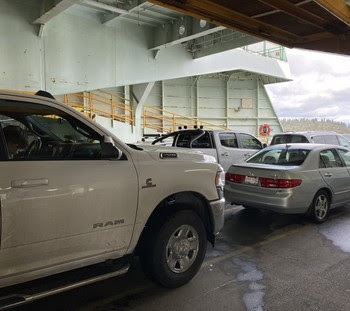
(61, 214)
(227, 146)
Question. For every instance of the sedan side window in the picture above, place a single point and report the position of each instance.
(38, 132)
(343, 142)
(345, 155)
(330, 158)
(228, 140)
(249, 142)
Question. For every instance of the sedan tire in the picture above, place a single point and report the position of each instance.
(319, 209)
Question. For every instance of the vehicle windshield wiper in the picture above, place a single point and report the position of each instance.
(134, 147)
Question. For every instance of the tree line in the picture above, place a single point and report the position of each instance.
(314, 124)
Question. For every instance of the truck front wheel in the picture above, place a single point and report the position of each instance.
(175, 251)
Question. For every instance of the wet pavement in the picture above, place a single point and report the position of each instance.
(261, 261)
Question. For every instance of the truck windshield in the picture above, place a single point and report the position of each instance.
(287, 139)
(280, 156)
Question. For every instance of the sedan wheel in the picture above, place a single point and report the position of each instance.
(320, 207)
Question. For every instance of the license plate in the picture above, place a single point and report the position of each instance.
(251, 180)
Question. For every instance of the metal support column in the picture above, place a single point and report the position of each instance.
(197, 99)
(128, 98)
(228, 100)
(163, 103)
(257, 104)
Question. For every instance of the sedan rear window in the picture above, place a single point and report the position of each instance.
(281, 156)
(287, 139)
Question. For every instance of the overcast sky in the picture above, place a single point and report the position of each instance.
(320, 87)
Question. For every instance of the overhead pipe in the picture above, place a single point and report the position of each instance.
(105, 6)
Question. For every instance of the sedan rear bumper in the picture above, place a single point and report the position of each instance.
(285, 201)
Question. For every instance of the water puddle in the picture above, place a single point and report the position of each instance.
(337, 231)
(254, 299)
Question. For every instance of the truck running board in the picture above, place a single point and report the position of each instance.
(15, 300)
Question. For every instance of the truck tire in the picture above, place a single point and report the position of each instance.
(173, 253)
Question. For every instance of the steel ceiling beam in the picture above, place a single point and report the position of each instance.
(55, 9)
(106, 7)
(277, 11)
(330, 20)
(298, 12)
(135, 5)
(339, 8)
(221, 15)
(192, 36)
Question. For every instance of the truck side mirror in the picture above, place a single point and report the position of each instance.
(109, 150)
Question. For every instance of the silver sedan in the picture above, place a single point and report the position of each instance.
(293, 179)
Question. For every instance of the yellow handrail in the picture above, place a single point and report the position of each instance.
(165, 121)
(114, 109)
(113, 95)
(92, 104)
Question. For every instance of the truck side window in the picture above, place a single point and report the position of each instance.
(249, 142)
(38, 132)
(228, 140)
(15, 135)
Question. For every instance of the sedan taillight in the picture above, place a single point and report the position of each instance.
(238, 179)
(279, 183)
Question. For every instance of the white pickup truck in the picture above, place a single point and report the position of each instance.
(74, 196)
(228, 147)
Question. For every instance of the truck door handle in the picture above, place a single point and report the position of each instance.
(225, 154)
(247, 154)
(328, 174)
(27, 183)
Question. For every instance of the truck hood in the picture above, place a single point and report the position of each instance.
(164, 153)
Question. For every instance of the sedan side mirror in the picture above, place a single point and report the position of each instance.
(264, 145)
(109, 150)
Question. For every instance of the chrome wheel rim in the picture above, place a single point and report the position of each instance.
(321, 207)
(182, 249)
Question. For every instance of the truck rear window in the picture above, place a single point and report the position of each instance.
(189, 140)
(287, 139)
(281, 156)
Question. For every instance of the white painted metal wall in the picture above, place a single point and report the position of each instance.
(231, 100)
(77, 53)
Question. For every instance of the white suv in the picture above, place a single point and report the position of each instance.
(330, 138)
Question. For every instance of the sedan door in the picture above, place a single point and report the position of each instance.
(335, 175)
(345, 156)
(64, 199)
